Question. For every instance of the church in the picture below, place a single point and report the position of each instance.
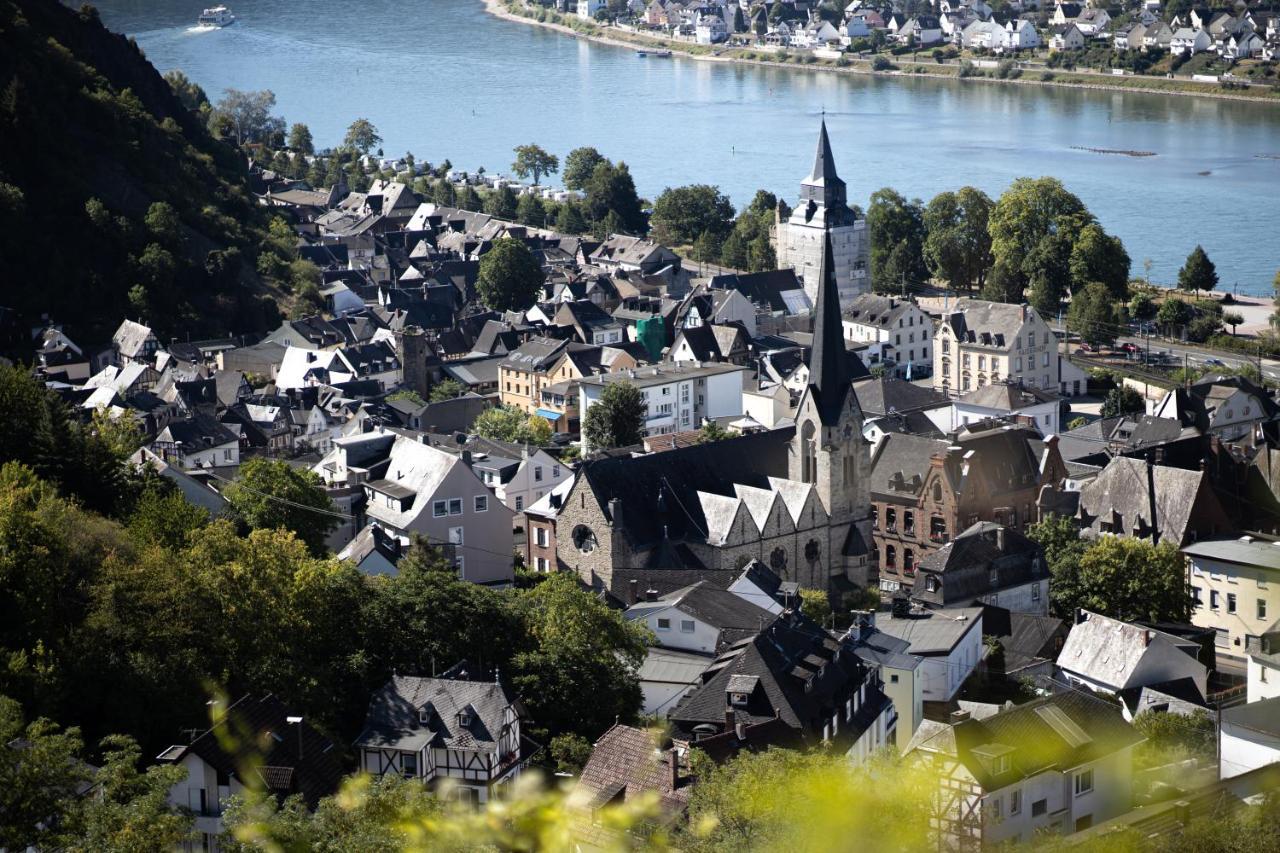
(823, 215)
(795, 498)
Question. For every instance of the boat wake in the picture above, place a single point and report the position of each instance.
(202, 28)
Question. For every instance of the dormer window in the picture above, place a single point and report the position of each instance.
(738, 699)
(424, 715)
(1000, 764)
(464, 717)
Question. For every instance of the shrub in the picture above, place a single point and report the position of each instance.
(968, 69)
(881, 63)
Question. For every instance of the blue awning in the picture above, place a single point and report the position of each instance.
(549, 415)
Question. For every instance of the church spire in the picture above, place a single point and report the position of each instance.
(824, 162)
(823, 186)
(829, 373)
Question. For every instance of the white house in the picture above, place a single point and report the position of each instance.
(454, 727)
(980, 342)
(1055, 765)
(304, 368)
(431, 493)
(1066, 37)
(710, 29)
(950, 642)
(1235, 589)
(519, 475)
(677, 397)
(667, 675)
(1264, 665)
(1249, 737)
(901, 672)
(1005, 400)
(288, 755)
(1230, 407)
(698, 618)
(1107, 656)
(1020, 34)
(198, 442)
(985, 34)
(1188, 40)
(587, 8)
(898, 323)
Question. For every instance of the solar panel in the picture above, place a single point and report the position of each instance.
(1063, 725)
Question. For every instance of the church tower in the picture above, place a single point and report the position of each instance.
(829, 450)
(824, 213)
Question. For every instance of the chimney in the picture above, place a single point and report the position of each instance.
(1146, 638)
(1000, 538)
(615, 511)
(960, 716)
(673, 767)
(651, 594)
(730, 720)
(1081, 616)
(466, 457)
(1151, 500)
(633, 591)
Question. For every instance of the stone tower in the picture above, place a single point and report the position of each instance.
(823, 215)
(829, 449)
(412, 349)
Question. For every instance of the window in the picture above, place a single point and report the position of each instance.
(226, 455)
(994, 577)
(875, 518)
(982, 362)
(893, 679)
(931, 583)
(540, 536)
(1044, 362)
(890, 556)
(909, 561)
(482, 503)
(908, 522)
(1031, 339)
(409, 764)
(1195, 596)
(1035, 592)
(1213, 599)
(1000, 764)
(457, 535)
(890, 519)
(1084, 782)
(424, 714)
(1039, 807)
(664, 624)
(686, 626)
(1015, 802)
(439, 509)
(455, 506)
(1231, 602)
(555, 472)
(1262, 608)
(996, 805)
(537, 473)
(1019, 364)
(519, 503)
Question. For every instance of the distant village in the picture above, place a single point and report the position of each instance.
(826, 523)
(1146, 37)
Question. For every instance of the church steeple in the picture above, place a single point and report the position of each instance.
(823, 188)
(830, 376)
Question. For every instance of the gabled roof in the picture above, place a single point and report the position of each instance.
(716, 607)
(393, 718)
(626, 763)
(1108, 651)
(933, 632)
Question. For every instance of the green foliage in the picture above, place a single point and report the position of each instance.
(570, 220)
(1098, 257)
(533, 160)
(362, 137)
(612, 190)
(447, 390)
(510, 277)
(1030, 212)
(570, 753)
(683, 214)
(507, 423)
(248, 116)
(1076, 423)
(1198, 272)
(1063, 548)
(409, 395)
(188, 92)
(1123, 400)
(531, 211)
(1173, 737)
(957, 246)
(816, 604)
(270, 494)
(1142, 307)
(1131, 579)
(579, 167)
(1173, 314)
(897, 241)
(300, 140)
(502, 203)
(712, 431)
(1094, 316)
(616, 419)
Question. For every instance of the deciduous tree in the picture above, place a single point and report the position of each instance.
(362, 137)
(270, 494)
(535, 161)
(510, 277)
(507, 423)
(957, 244)
(1131, 579)
(616, 419)
(897, 241)
(300, 139)
(682, 214)
(248, 114)
(579, 166)
(1094, 315)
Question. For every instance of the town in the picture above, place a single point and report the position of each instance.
(505, 514)
(1233, 48)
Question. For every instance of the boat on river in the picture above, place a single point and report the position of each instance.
(657, 54)
(217, 16)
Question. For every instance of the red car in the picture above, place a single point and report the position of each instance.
(1130, 347)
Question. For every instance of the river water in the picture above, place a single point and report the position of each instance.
(442, 78)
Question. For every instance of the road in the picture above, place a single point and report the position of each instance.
(1195, 356)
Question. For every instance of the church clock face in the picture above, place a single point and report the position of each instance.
(584, 539)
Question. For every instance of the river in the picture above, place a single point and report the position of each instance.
(442, 78)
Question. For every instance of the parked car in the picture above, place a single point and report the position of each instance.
(1130, 347)
(1214, 362)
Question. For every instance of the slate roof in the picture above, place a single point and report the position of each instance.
(1121, 495)
(993, 324)
(1007, 396)
(1180, 696)
(316, 774)
(1109, 651)
(1027, 638)
(131, 338)
(933, 632)
(965, 563)
(764, 288)
(413, 468)
(732, 615)
(905, 454)
(392, 721)
(881, 395)
(626, 763)
(1262, 717)
(1241, 551)
(873, 309)
(830, 379)
(1053, 733)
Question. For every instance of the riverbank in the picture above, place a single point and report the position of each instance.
(903, 67)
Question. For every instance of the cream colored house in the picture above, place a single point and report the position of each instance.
(980, 342)
(1235, 584)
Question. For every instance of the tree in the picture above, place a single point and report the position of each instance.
(957, 245)
(1093, 315)
(1097, 256)
(40, 778)
(616, 419)
(510, 277)
(1027, 212)
(532, 160)
(612, 190)
(189, 93)
(362, 137)
(712, 431)
(579, 167)
(163, 223)
(1142, 306)
(897, 241)
(1046, 273)
(507, 423)
(1059, 535)
(270, 494)
(569, 220)
(447, 390)
(579, 672)
(1198, 273)
(681, 215)
(1123, 400)
(300, 139)
(407, 394)
(530, 211)
(248, 114)
(1232, 319)
(816, 604)
(734, 252)
(570, 753)
(469, 199)
(130, 808)
(1173, 314)
(1131, 579)
(502, 203)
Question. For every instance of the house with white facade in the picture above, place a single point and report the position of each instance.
(699, 618)
(1230, 407)
(199, 441)
(1003, 400)
(519, 475)
(1055, 765)
(1235, 589)
(1263, 671)
(1107, 656)
(980, 342)
(290, 756)
(462, 727)
(1249, 737)
(898, 323)
(1020, 34)
(678, 397)
(950, 642)
(1190, 41)
(427, 492)
(1066, 37)
(901, 673)
(586, 9)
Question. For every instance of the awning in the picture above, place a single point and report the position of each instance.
(549, 415)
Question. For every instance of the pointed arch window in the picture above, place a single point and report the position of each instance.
(809, 453)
